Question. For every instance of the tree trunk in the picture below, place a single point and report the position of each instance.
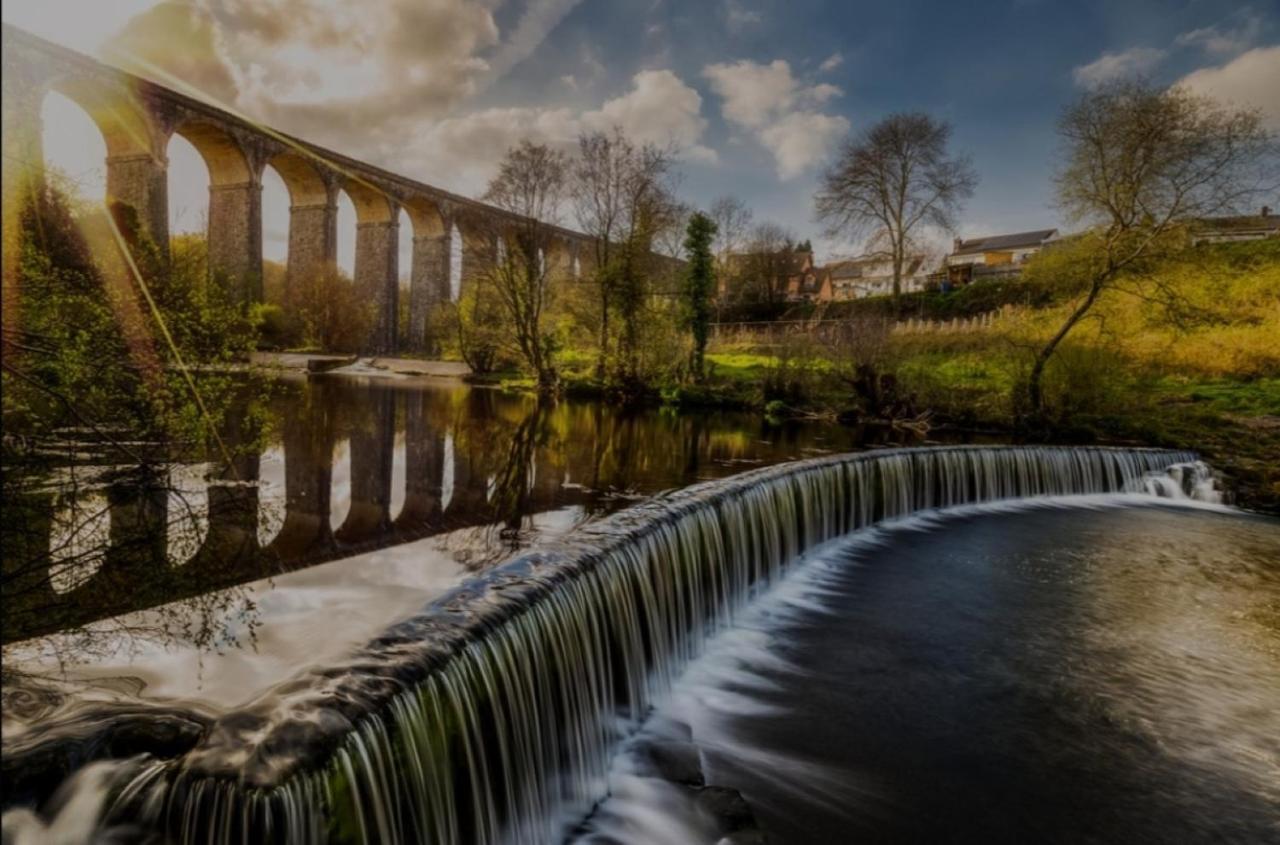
(1035, 390)
(603, 351)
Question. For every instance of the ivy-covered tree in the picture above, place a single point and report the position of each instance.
(699, 285)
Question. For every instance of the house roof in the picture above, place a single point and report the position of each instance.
(1246, 223)
(995, 243)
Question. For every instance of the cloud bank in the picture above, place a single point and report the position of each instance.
(779, 111)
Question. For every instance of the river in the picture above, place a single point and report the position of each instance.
(423, 611)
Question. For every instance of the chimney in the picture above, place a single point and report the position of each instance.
(955, 245)
(1266, 211)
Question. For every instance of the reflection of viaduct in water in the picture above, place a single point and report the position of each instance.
(137, 119)
(471, 458)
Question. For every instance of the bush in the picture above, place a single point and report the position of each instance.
(334, 315)
(276, 329)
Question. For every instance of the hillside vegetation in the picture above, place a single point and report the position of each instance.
(1186, 354)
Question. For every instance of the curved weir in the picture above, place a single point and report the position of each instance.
(491, 716)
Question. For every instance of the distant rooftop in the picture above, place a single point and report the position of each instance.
(856, 268)
(1264, 222)
(996, 243)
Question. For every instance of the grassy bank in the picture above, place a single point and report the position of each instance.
(1186, 356)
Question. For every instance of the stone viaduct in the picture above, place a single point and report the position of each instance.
(137, 118)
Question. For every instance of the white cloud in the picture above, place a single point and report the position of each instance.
(779, 110)
(464, 151)
(801, 139)
(1248, 80)
(359, 77)
(824, 91)
(660, 109)
(1223, 39)
(1134, 61)
(753, 93)
(831, 62)
(1227, 40)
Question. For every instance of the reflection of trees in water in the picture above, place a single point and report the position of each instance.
(514, 481)
(87, 543)
(479, 466)
(101, 553)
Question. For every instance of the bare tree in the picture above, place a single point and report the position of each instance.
(530, 184)
(768, 259)
(890, 182)
(1140, 163)
(732, 219)
(623, 197)
(669, 240)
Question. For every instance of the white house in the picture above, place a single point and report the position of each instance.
(872, 275)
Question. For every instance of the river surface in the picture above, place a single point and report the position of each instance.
(370, 497)
(1089, 671)
(1089, 668)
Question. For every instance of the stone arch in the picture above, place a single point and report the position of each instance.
(234, 226)
(307, 186)
(135, 162)
(377, 258)
(455, 262)
(373, 205)
(313, 220)
(222, 153)
(276, 204)
(480, 234)
(559, 256)
(120, 115)
(72, 142)
(427, 217)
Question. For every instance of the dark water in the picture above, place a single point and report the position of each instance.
(1064, 675)
(358, 465)
(369, 497)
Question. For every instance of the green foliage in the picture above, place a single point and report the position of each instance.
(481, 326)
(699, 284)
(275, 329)
(100, 345)
(121, 363)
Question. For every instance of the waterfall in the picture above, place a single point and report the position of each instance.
(1189, 480)
(492, 715)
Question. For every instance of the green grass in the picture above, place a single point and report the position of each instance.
(1242, 398)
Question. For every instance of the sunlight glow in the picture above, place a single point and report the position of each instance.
(73, 145)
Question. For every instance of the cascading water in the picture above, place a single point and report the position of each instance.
(1190, 480)
(492, 715)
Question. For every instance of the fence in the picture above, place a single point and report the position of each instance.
(772, 331)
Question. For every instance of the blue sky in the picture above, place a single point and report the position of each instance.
(758, 93)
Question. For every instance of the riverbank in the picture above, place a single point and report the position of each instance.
(309, 362)
(1234, 424)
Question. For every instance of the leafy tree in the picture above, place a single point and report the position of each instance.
(623, 199)
(530, 184)
(120, 369)
(1140, 164)
(699, 284)
(893, 180)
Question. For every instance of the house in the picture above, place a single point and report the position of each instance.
(790, 272)
(994, 254)
(872, 275)
(812, 284)
(1251, 227)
